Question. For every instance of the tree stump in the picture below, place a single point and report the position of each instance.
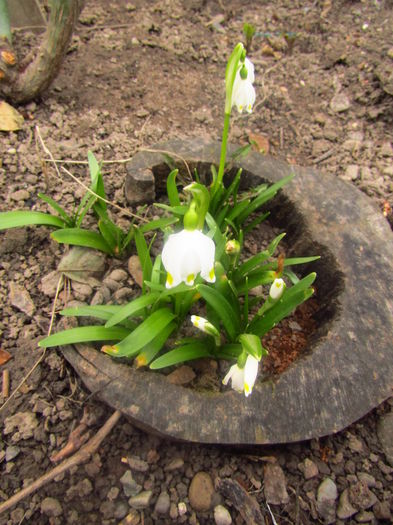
(348, 367)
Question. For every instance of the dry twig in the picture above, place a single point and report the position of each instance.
(83, 455)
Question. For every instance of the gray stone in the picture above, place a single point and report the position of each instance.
(345, 509)
(327, 490)
(174, 464)
(364, 517)
(351, 172)
(51, 507)
(121, 510)
(82, 489)
(361, 496)
(339, 103)
(11, 452)
(81, 291)
(382, 511)
(163, 504)
(275, 484)
(309, 468)
(386, 149)
(21, 424)
(355, 444)
(137, 464)
(134, 267)
(384, 73)
(367, 478)
(118, 275)
(222, 516)
(326, 500)
(141, 500)
(139, 186)
(107, 509)
(201, 492)
(182, 375)
(20, 298)
(20, 195)
(130, 486)
(385, 436)
(132, 518)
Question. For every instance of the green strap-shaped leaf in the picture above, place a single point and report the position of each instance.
(142, 335)
(259, 278)
(20, 218)
(79, 237)
(144, 256)
(181, 354)
(56, 206)
(132, 308)
(258, 259)
(150, 351)
(292, 261)
(291, 298)
(264, 197)
(84, 334)
(171, 188)
(158, 224)
(223, 308)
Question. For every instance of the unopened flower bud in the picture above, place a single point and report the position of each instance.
(277, 289)
(232, 247)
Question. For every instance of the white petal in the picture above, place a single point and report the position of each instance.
(229, 375)
(238, 379)
(250, 374)
(243, 95)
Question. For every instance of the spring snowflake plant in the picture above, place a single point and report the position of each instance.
(201, 269)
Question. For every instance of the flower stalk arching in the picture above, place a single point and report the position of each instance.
(239, 92)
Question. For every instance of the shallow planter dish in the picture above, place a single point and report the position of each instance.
(347, 368)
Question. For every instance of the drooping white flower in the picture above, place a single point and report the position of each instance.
(277, 289)
(187, 253)
(243, 379)
(243, 92)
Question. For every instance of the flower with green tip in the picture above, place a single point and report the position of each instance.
(243, 92)
(185, 255)
(243, 379)
(204, 325)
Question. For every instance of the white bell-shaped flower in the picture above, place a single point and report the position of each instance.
(243, 92)
(187, 253)
(243, 379)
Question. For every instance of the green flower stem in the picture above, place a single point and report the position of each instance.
(223, 155)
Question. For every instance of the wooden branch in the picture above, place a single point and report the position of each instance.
(21, 87)
(83, 455)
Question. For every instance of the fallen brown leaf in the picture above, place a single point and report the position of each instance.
(4, 357)
(10, 119)
(260, 143)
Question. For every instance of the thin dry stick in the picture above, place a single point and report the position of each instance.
(40, 359)
(123, 161)
(83, 455)
(6, 383)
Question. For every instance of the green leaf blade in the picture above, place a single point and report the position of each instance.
(80, 237)
(21, 218)
(84, 334)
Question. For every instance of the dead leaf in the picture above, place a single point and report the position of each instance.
(260, 143)
(10, 119)
(4, 357)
